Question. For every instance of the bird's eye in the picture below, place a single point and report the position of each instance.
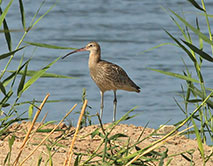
(90, 45)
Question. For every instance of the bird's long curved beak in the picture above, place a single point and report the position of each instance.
(78, 50)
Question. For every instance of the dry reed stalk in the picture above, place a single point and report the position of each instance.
(70, 153)
(30, 129)
(44, 139)
(33, 133)
(156, 145)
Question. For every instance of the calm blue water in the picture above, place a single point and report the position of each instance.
(124, 29)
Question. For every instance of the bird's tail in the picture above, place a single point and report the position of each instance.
(138, 89)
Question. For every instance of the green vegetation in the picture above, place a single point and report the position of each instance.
(196, 90)
(9, 80)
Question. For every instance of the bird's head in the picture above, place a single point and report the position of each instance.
(93, 47)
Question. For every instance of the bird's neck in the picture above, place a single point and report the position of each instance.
(94, 58)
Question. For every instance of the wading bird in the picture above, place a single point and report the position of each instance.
(106, 75)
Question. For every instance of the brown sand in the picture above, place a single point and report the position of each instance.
(85, 144)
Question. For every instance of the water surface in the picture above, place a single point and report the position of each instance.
(124, 29)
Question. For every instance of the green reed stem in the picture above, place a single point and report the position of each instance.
(207, 22)
(11, 57)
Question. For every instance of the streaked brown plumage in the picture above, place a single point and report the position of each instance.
(106, 75)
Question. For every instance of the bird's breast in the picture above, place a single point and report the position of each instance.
(99, 77)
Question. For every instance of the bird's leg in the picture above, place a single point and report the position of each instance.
(115, 105)
(102, 104)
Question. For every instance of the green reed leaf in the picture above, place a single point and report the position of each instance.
(2, 56)
(116, 136)
(2, 88)
(184, 48)
(21, 6)
(7, 33)
(42, 15)
(199, 93)
(195, 30)
(199, 51)
(47, 45)
(14, 74)
(8, 157)
(39, 159)
(6, 98)
(37, 101)
(187, 78)
(30, 112)
(180, 28)
(77, 160)
(199, 139)
(194, 100)
(21, 84)
(20, 63)
(2, 17)
(195, 4)
(6, 118)
(157, 46)
(200, 40)
(11, 141)
(37, 75)
(30, 73)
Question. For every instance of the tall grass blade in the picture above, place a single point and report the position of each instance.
(199, 140)
(2, 88)
(195, 4)
(47, 45)
(157, 46)
(36, 101)
(20, 63)
(21, 84)
(203, 54)
(180, 28)
(40, 160)
(42, 15)
(118, 135)
(50, 161)
(2, 17)
(10, 141)
(37, 75)
(36, 13)
(164, 155)
(2, 56)
(188, 159)
(207, 22)
(6, 98)
(30, 73)
(195, 30)
(200, 40)
(199, 93)
(21, 6)
(7, 33)
(184, 48)
(30, 112)
(13, 75)
(187, 78)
